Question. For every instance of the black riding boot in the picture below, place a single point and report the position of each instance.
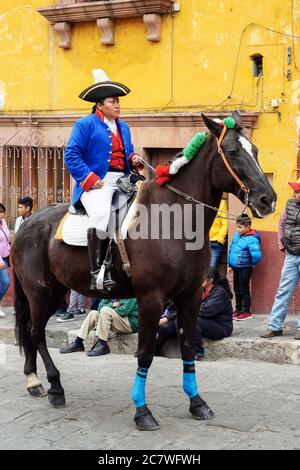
(98, 255)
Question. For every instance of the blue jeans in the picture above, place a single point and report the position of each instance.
(290, 276)
(216, 253)
(4, 281)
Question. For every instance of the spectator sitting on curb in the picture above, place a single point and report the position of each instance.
(167, 327)
(289, 242)
(214, 320)
(118, 316)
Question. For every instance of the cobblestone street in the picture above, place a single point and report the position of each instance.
(257, 405)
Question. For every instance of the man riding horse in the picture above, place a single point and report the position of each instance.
(46, 268)
(98, 153)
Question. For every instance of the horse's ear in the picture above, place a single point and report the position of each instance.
(238, 120)
(213, 126)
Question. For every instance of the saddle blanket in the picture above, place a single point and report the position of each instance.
(73, 227)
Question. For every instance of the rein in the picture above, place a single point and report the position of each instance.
(231, 171)
(192, 199)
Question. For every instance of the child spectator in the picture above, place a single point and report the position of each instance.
(244, 253)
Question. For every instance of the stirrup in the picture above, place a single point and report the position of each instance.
(100, 278)
(104, 282)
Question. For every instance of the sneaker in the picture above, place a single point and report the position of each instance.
(66, 317)
(80, 311)
(2, 314)
(243, 316)
(236, 314)
(297, 336)
(60, 312)
(270, 333)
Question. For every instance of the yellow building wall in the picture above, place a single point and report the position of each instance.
(202, 63)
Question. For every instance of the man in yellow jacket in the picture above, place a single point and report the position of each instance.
(218, 234)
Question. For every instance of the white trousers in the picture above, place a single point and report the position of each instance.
(97, 202)
(105, 321)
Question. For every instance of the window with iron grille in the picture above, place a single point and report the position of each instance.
(38, 172)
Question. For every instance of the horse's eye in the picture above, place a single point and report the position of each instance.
(231, 152)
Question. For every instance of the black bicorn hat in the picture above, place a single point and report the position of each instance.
(103, 88)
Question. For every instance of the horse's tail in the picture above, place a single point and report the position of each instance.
(22, 314)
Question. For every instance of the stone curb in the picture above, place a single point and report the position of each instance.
(279, 350)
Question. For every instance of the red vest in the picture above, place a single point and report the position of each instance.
(118, 155)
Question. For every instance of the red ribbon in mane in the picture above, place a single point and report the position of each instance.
(162, 174)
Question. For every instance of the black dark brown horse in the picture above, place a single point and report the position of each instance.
(161, 269)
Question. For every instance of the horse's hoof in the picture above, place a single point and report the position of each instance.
(144, 419)
(199, 409)
(37, 391)
(57, 400)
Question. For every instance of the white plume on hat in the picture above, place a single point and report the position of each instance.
(100, 76)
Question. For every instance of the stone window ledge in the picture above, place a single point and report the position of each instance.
(104, 13)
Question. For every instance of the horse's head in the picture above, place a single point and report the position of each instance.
(241, 155)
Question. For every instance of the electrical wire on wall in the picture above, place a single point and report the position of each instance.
(293, 38)
(229, 96)
(204, 107)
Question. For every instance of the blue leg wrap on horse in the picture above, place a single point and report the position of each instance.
(138, 391)
(189, 379)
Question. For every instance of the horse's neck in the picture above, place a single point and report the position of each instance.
(195, 179)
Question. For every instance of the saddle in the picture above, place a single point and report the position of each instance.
(73, 227)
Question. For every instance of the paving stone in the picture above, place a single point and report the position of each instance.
(256, 405)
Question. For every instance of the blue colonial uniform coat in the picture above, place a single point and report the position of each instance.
(90, 149)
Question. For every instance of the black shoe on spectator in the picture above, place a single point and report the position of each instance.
(99, 349)
(66, 317)
(60, 311)
(73, 347)
(80, 311)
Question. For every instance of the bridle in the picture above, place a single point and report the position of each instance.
(229, 168)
